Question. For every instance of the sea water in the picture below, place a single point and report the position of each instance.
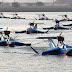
(22, 58)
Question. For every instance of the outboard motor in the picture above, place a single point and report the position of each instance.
(43, 14)
(16, 14)
(60, 39)
(66, 16)
(57, 22)
(1, 13)
(7, 33)
(9, 40)
(31, 24)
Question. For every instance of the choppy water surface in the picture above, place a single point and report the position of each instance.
(22, 58)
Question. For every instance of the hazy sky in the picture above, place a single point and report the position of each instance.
(26, 0)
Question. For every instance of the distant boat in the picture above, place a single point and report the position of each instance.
(32, 29)
(55, 50)
(15, 16)
(2, 16)
(43, 17)
(57, 27)
(65, 18)
(9, 41)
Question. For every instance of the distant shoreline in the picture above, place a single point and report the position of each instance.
(37, 9)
